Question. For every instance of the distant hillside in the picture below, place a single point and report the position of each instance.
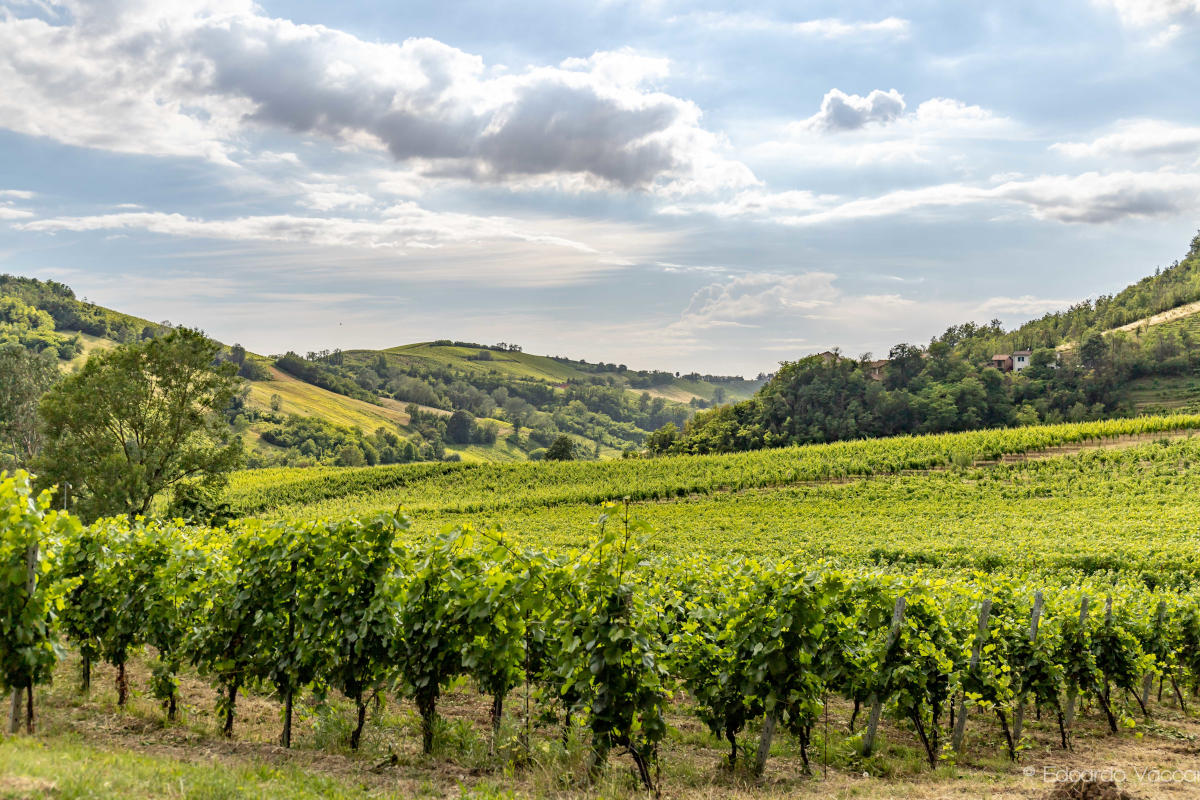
(425, 401)
(516, 402)
(1134, 352)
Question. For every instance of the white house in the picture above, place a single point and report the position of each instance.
(1020, 359)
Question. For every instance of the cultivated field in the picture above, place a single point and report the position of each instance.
(811, 586)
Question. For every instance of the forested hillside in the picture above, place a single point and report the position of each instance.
(1081, 366)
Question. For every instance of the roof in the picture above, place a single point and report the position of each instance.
(1001, 357)
(883, 362)
(1022, 352)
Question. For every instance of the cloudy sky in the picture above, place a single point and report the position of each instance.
(711, 186)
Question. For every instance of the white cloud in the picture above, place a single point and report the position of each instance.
(755, 202)
(403, 226)
(1097, 198)
(793, 315)
(1144, 13)
(944, 113)
(1091, 197)
(1137, 138)
(1025, 304)
(452, 246)
(758, 295)
(849, 112)
(1167, 17)
(199, 79)
(883, 113)
(8, 212)
(825, 28)
(328, 196)
(850, 130)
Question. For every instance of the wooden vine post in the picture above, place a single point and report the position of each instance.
(960, 722)
(14, 717)
(868, 743)
(1148, 679)
(1035, 619)
(1073, 689)
(764, 742)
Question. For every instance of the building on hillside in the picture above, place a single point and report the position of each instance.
(1020, 359)
(1002, 362)
(875, 369)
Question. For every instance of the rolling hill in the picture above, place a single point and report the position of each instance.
(603, 408)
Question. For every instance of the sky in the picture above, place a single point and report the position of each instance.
(677, 185)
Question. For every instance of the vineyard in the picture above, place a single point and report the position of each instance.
(986, 611)
(474, 487)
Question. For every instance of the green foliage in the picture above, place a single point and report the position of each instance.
(33, 329)
(434, 630)
(610, 630)
(460, 427)
(476, 488)
(138, 421)
(952, 385)
(24, 378)
(916, 674)
(775, 635)
(322, 442)
(562, 449)
(28, 594)
(86, 607)
(325, 372)
(610, 647)
(354, 602)
(663, 439)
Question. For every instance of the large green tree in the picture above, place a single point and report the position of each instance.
(562, 449)
(139, 421)
(24, 378)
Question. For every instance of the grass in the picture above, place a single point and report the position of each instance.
(1165, 393)
(513, 365)
(88, 748)
(90, 345)
(307, 400)
(499, 453)
(68, 768)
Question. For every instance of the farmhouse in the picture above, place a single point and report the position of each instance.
(875, 369)
(1016, 362)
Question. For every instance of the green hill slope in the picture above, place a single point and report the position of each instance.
(511, 363)
(518, 402)
(518, 365)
